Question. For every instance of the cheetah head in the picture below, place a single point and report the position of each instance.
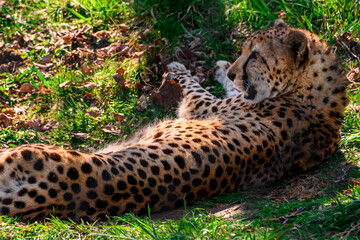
(271, 62)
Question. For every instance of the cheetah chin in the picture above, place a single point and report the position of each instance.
(285, 98)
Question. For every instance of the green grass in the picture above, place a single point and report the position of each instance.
(222, 26)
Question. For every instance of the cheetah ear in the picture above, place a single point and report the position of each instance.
(296, 42)
(279, 23)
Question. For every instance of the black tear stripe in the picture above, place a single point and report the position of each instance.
(252, 92)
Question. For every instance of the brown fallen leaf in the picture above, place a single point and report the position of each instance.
(119, 78)
(33, 124)
(112, 130)
(81, 136)
(90, 85)
(85, 69)
(26, 88)
(354, 75)
(66, 84)
(94, 112)
(142, 104)
(168, 94)
(5, 120)
(119, 116)
(46, 59)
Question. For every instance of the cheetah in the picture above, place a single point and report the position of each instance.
(286, 94)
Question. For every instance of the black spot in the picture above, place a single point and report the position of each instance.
(7, 201)
(289, 122)
(168, 178)
(196, 182)
(206, 171)
(105, 175)
(211, 158)
(52, 177)
(202, 193)
(213, 184)
(186, 188)
(186, 176)
(151, 181)
(40, 199)
(91, 194)
(33, 193)
(101, 204)
(153, 156)
(186, 146)
(155, 170)
(284, 135)
(73, 173)
(113, 211)
(22, 192)
(180, 161)
(205, 149)
(197, 158)
(75, 188)
(5, 210)
(165, 164)
(60, 169)
(108, 189)
(56, 157)
(128, 166)
(219, 171)
(138, 198)
(141, 173)
(86, 168)
(96, 161)
(129, 207)
(67, 196)
(43, 185)
(52, 193)
(63, 185)
(146, 191)
(26, 154)
(121, 185)
(32, 180)
(131, 180)
(71, 206)
(226, 158)
(19, 204)
(167, 151)
(39, 165)
(277, 124)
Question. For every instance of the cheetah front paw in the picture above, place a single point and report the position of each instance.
(221, 69)
(176, 67)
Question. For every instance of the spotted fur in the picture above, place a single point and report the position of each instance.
(282, 115)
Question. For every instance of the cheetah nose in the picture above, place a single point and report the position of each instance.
(231, 76)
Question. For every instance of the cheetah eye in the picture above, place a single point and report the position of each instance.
(256, 54)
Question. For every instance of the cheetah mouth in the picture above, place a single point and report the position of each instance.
(249, 91)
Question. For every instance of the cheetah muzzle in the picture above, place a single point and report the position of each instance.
(281, 115)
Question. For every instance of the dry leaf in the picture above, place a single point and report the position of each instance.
(85, 69)
(46, 59)
(5, 120)
(94, 112)
(169, 93)
(112, 130)
(66, 84)
(33, 124)
(142, 104)
(119, 116)
(81, 136)
(90, 85)
(26, 88)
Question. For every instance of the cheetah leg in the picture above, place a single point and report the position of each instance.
(221, 69)
(195, 97)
